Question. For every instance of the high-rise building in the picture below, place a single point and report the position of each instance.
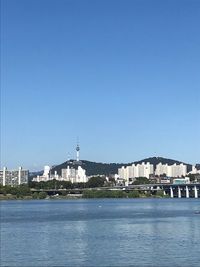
(74, 174)
(13, 177)
(146, 169)
(134, 171)
(175, 170)
(161, 169)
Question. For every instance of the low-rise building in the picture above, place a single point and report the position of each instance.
(185, 180)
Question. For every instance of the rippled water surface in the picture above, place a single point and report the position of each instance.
(105, 232)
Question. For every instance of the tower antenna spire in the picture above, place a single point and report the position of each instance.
(77, 150)
(68, 156)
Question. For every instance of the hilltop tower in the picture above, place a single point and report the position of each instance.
(77, 152)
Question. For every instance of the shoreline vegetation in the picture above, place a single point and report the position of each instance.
(94, 194)
(88, 190)
(85, 195)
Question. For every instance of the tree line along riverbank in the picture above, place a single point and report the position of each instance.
(24, 192)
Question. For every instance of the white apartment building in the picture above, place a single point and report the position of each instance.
(45, 176)
(134, 171)
(161, 169)
(175, 170)
(146, 169)
(13, 177)
(74, 175)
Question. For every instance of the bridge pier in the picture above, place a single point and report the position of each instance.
(195, 192)
(179, 192)
(171, 192)
(187, 192)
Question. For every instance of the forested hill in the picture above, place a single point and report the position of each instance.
(95, 168)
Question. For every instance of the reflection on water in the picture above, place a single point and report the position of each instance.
(120, 232)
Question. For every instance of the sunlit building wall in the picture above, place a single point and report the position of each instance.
(13, 177)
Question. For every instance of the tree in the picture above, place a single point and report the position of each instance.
(35, 195)
(192, 177)
(42, 195)
(141, 180)
(96, 181)
(133, 194)
(160, 193)
(111, 181)
(23, 190)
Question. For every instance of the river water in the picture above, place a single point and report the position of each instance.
(103, 232)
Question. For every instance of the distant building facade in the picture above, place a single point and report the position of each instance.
(147, 170)
(74, 175)
(175, 170)
(13, 177)
(194, 170)
(135, 171)
(45, 176)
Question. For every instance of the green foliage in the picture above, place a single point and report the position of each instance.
(141, 180)
(52, 184)
(192, 177)
(110, 194)
(159, 193)
(111, 182)
(95, 181)
(24, 190)
(64, 193)
(3, 190)
(79, 185)
(147, 194)
(20, 191)
(133, 194)
(103, 194)
(42, 195)
(35, 195)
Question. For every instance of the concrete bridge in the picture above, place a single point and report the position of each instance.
(173, 190)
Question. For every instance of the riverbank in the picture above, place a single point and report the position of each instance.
(86, 194)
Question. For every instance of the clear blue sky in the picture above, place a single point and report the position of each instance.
(123, 75)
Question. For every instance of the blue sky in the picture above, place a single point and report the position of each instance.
(124, 76)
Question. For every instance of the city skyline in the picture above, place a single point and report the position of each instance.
(123, 76)
(40, 167)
